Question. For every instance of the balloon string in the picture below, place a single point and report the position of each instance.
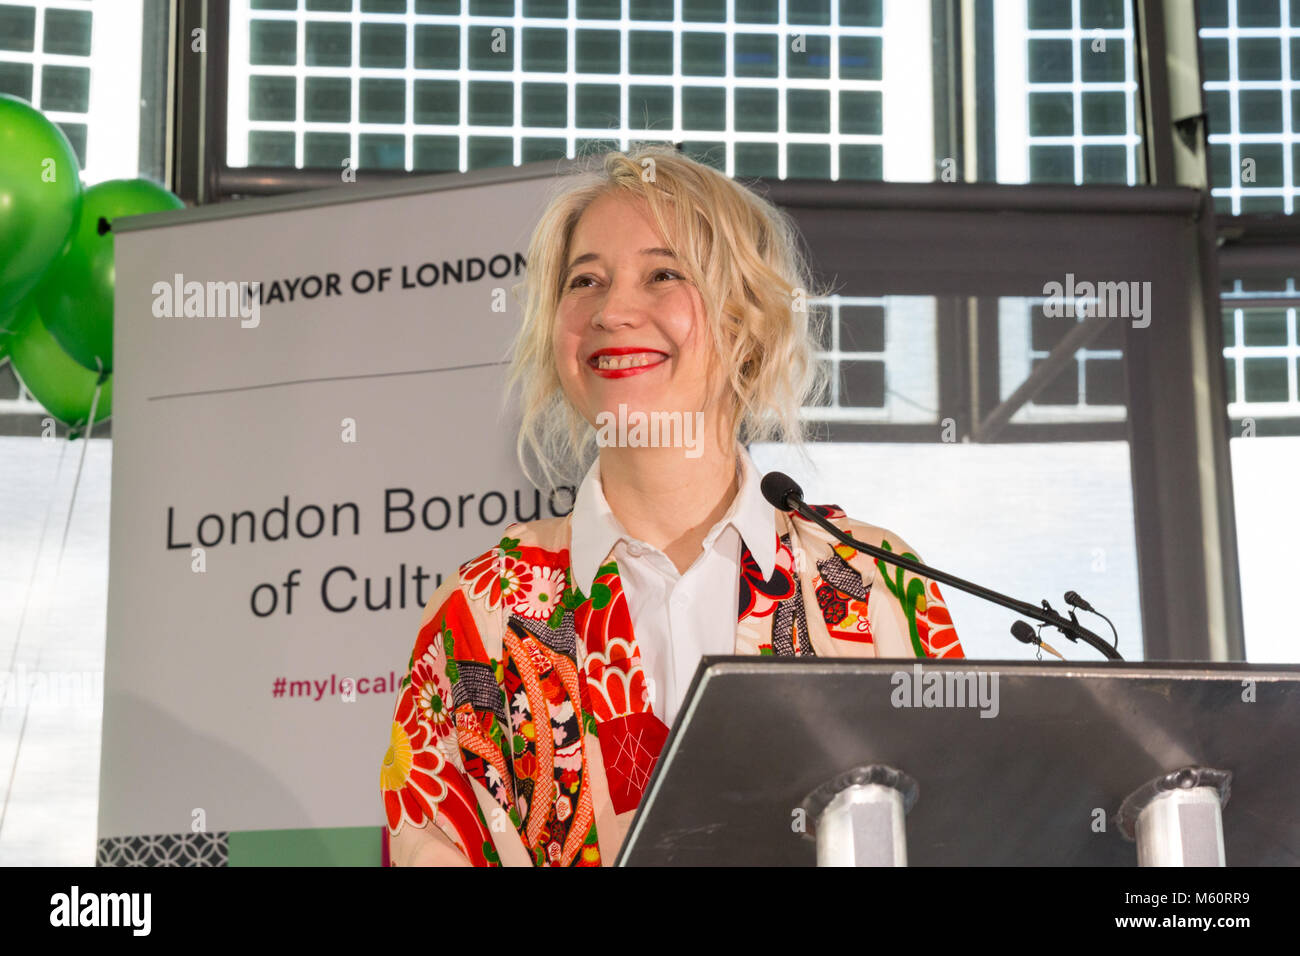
(76, 482)
(58, 568)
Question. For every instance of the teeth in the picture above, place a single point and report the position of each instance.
(635, 360)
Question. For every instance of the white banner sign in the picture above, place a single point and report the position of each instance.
(294, 466)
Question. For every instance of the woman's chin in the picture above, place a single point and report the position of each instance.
(639, 406)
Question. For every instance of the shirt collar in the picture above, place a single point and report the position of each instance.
(594, 530)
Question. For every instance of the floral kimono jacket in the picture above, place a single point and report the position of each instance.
(523, 732)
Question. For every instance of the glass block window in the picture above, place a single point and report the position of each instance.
(1066, 92)
(81, 67)
(1090, 387)
(1261, 348)
(1250, 62)
(796, 89)
(763, 88)
(881, 355)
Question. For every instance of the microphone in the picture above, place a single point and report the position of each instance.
(1024, 633)
(778, 488)
(784, 493)
(1027, 635)
(1072, 598)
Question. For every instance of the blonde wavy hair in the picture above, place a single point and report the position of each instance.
(740, 251)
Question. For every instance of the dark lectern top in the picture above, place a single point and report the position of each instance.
(1062, 747)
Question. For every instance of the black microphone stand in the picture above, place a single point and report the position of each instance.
(1070, 628)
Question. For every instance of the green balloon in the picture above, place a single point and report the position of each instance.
(65, 387)
(75, 298)
(13, 324)
(40, 195)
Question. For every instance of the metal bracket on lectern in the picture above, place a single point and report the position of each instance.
(857, 817)
(1177, 819)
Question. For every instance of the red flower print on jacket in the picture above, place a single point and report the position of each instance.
(616, 682)
(934, 625)
(498, 575)
(759, 596)
(540, 596)
(421, 784)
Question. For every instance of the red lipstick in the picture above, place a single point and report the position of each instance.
(593, 361)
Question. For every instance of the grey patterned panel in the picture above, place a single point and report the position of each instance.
(789, 617)
(477, 685)
(165, 849)
(562, 640)
(841, 575)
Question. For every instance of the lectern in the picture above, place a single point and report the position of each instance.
(803, 761)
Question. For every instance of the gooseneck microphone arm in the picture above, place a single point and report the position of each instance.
(784, 493)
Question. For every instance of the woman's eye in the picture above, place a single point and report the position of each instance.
(578, 282)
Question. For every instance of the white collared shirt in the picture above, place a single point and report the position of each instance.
(676, 618)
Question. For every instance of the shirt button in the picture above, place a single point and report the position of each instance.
(635, 550)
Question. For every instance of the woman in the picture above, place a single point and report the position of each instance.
(665, 297)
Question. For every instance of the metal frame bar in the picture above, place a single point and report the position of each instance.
(156, 106)
(1029, 433)
(946, 26)
(1177, 385)
(186, 158)
(197, 106)
(991, 425)
(1259, 245)
(954, 373)
(218, 25)
(1153, 91)
(984, 96)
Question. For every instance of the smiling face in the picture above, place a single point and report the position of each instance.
(630, 327)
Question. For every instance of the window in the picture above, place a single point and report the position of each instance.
(67, 59)
(1250, 60)
(1262, 360)
(1066, 88)
(836, 89)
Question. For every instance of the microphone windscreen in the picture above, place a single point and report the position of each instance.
(1072, 598)
(777, 489)
(1024, 633)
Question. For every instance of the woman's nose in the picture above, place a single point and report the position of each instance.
(621, 307)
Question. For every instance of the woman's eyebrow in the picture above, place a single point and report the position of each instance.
(591, 256)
